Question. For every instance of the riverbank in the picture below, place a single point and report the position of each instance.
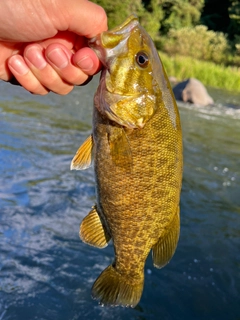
(208, 73)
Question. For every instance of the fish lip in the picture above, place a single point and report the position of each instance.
(103, 49)
(126, 26)
(96, 45)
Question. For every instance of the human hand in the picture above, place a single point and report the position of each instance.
(40, 54)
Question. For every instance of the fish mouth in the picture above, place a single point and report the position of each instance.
(126, 26)
(108, 43)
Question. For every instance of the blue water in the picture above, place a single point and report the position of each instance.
(46, 272)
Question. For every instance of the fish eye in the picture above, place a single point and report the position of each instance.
(142, 59)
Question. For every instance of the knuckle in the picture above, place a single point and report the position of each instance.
(76, 78)
(102, 19)
(65, 91)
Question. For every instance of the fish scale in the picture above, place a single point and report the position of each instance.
(137, 151)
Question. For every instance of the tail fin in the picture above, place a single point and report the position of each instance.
(111, 288)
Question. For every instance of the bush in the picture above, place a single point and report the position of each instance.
(197, 42)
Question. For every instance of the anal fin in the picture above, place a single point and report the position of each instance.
(164, 249)
(92, 231)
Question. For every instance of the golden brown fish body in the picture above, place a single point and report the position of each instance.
(138, 162)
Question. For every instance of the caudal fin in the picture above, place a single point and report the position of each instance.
(111, 288)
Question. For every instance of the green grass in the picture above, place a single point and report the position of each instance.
(208, 73)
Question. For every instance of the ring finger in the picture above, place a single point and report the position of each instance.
(24, 75)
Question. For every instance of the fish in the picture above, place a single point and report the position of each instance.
(136, 148)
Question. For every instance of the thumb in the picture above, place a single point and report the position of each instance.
(82, 17)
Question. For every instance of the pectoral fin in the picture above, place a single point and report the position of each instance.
(164, 249)
(92, 231)
(83, 157)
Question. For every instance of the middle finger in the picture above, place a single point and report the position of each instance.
(47, 76)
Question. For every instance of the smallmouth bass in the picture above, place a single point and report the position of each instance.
(137, 149)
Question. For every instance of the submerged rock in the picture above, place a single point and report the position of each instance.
(193, 91)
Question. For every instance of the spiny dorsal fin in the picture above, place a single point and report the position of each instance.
(164, 249)
(92, 231)
(83, 157)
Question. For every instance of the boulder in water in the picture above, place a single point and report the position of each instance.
(193, 91)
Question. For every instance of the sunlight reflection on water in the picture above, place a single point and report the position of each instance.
(47, 272)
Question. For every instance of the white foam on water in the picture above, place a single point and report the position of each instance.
(210, 112)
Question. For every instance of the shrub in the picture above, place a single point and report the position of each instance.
(197, 42)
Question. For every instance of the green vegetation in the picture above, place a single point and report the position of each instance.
(209, 73)
(207, 30)
(197, 42)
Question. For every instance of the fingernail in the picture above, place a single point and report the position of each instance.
(58, 58)
(86, 63)
(35, 57)
(18, 65)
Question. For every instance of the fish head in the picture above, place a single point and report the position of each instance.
(128, 89)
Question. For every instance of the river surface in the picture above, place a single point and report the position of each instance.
(46, 272)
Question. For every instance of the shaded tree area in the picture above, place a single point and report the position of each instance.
(180, 18)
(215, 15)
(180, 13)
(222, 16)
(158, 15)
(163, 15)
(118, 10)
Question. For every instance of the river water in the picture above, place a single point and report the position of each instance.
(46, 272)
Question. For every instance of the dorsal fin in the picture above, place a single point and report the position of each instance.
(83, 157)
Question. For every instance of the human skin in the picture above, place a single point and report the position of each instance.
(43, 43)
